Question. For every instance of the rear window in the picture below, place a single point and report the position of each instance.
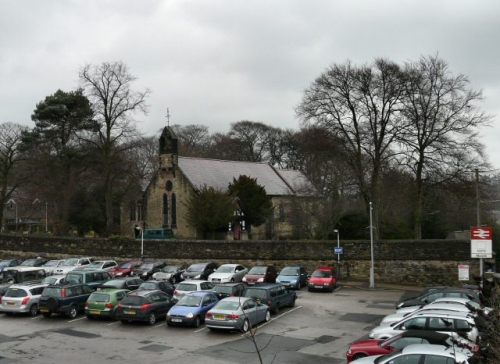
(223, 289)
(134, 301)
(51, 292)
(16, 292)
(74, 278)
(256, 293)
(322, 274)
(258, 270)
(148, 285)
(99, 297)
(187, 287)
(227, 305)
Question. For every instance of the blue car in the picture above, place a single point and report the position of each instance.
(191, 309)
(293, 277)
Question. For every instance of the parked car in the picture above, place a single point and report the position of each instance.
(130, 283)
(104, 303)
(293, 277)
(360, 349)
(419, 353)
(191, 309)
(91, 277)
(53, 280)
(434, 295)
(22, 298)
(9, 263)
(228, 273)
(72, 264)
(237, 313)
(191, 286)
(454, 307)
(147, 306)
(171, 273)
(147, 269)
(51, 266)
(323, 278)
(35, 262)
(106, 265)
(453, 300)
(261, 274)
(199, 271)
(224, 290)
(163, 286)
(67, 299)
(125, 269)
(274, 295)
(440, 321)
(17, 275)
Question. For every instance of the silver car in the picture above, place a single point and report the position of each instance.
(237, 313)
(456, 307)
(53, 280)
(22, 298)
(51, 266)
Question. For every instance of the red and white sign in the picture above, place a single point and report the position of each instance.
(463, 272)
(481, 242)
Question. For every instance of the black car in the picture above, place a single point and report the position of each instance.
(275, 295)
(224, 290)
(433, 295)
(171, 273)
(7, 263)
(35, 262)
(163, 286)
(147, 269)
(130, 283)
(19, 275)
(67, 299)
(199, 271)
(145, 306)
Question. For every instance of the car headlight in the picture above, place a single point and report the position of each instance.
(293, 281)
(198, 276)
(400, 305)
(244, 279)
(326, 284)
(260, 280)
(190, 315)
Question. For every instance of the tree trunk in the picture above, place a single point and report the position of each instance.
(418, 200)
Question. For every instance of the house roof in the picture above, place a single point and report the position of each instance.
(219, 174)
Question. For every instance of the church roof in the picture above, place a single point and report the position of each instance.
(298, 182)
(220, 173)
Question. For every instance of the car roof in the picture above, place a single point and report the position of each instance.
(28, 285)
(199, 293)
(193, 281)
(265, 286)
(424, 334)
(110, 290)
(442, 313)
(235, 299)
(23, 269)
(444, 306)
(228, 284)
(431, 349)
(229, 265)
(458, 300)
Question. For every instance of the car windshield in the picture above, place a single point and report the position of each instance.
(51, 263)
(98, 297)
(227, 306)
(223, 289)
(256, 293)
(169, 269)
(28, 263)
(225, 269)
(118, 283)
(148, 285)
(126, 265)
(146, 266)
(290, 272)
(49, 280)
(258, 270)
(196, 268)
(15, 292)
(186, 287)
(74, 278)
(70, 262)
(190, 301)
(51, 292)
(322, 274)
(95, 265)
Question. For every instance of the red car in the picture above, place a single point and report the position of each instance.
(125, 269)
(364, 348)
(260, 274)
(323, 278)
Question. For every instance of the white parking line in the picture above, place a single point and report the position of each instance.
(158, 325)
(276, 317)
(199, 330)
(36, 318)
(78, 319)
(113, 323)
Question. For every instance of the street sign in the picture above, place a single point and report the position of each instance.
(339, 250)
(463, 272)
(481, 242)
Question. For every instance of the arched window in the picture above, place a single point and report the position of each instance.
(174, 211)
(165, 210)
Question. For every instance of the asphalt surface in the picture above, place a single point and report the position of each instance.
(317, 330)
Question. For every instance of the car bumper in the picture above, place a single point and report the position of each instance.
(131, 317)
(180, 321)
(289, 284)
(19, 309)
(99, 313)
(319, 287)
(224, 325)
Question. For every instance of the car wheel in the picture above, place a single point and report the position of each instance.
(293, 302)
(245, 326)
(34, 310)
(152, 319)
(46, 314)
(268, 316)
(197, 322)
(358, 356)
(73, 312)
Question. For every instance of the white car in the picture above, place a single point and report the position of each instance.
(420, 353)
(228, 273)
(453, 300)
(106, 265)
(71, 264)
(455, 307)
(445, 322)
(52, 265)
(191, 286)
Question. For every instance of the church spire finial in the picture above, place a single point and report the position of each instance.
(168, 117)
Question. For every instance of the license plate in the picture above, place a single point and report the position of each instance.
(219, 317)
(11, 303)
(94, 312)
(318, 286)
(176, 320)
(129, 312)
(44, 310)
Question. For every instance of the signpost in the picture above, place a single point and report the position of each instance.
(339, 250)
(481, 244)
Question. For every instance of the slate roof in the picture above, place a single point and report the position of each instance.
(298, 182)
(219, 174)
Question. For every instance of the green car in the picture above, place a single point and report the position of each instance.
(103, 303)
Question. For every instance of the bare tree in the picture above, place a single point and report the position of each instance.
(194, 139)
(443, 118)
(108, 87)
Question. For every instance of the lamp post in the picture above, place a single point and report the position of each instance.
(372, 262)
(338, 244)
(46, 217)
(142, 243)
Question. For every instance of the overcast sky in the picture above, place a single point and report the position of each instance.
(215, 62)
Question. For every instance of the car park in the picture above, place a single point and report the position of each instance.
(67, 299)
(237, 313)
(104, 303)
(125, 269)
(72, 264)
(293, 277)
(191, 309)
(9, 263)
(106, 265)
(260, 274)
(51, 266)
(129, 283)
(228, 273)
(199, 271)
(145, 306)
(147, 269)
(454, 307)
(439, 293)
(18, 275)
(91, 277)
(171, 273)
(22, 298)
(323, 279)
(224, 290)
(163, 286)
(191, 286)
(275, 296)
